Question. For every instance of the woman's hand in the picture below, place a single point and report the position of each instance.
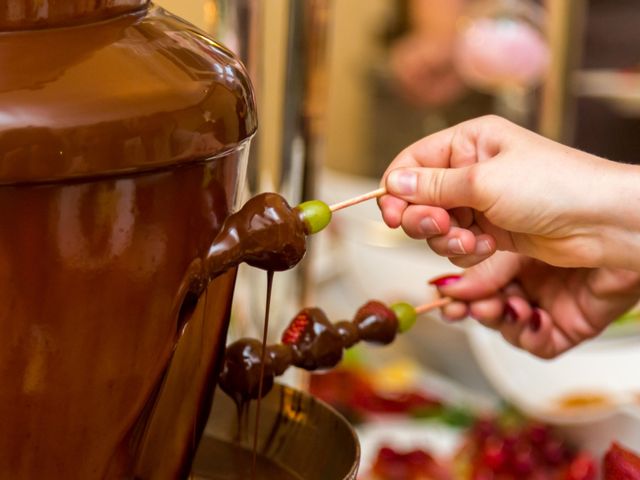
(488, 185)
(543, 309)
(423, 71)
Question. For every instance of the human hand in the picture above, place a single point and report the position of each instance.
(423, 71)
(488, 184)
(543, 309)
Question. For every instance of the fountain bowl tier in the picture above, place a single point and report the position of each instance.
(299, 435)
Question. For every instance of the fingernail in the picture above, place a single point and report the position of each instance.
(455, 246)
(510, 313)
(483, 248)
(445, 280)
(403, 182)
(428, 226)
(536, 321)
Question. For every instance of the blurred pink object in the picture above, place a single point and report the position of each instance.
(497, 53)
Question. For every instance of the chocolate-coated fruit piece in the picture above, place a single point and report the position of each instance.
(315, 340)
(240, 376)
(376, 323)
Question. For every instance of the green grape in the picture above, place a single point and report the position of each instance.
(315, 215)
(406, 315)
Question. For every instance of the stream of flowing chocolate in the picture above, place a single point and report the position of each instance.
(265, 233)
(263, 354)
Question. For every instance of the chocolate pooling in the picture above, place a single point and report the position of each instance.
(310, 342)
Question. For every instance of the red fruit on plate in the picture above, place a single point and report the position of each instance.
(494, 454)
(582, 467)
(621, 464)
(412, 465)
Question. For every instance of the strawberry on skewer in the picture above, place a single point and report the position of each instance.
(312, 342)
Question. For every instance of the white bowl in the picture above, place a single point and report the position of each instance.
(607, 366)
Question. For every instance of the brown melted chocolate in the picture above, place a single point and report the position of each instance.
(263, 364)
(232, 462)
(120, 147)
(310, 342)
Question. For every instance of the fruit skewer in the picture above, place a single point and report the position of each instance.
(316, 214)
(312, 342)
(359, 199)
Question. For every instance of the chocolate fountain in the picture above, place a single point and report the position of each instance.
(123, 139)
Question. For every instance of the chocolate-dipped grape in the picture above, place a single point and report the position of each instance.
(265, 233)
(240, 376)
(376, 323)
(315, 341)
(315, 215)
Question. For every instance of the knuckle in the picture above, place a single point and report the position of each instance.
(431, 189)
(493, 120)
(546, 353)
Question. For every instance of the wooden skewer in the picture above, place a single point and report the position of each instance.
(440, 302)
(359, 199)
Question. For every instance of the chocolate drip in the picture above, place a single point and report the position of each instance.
(265, 233)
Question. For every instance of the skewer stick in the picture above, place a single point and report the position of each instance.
(359, 199)
(440, 302)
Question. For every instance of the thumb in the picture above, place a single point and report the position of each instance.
(486, 278)
(441, 187)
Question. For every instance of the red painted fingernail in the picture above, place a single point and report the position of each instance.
(445, 280)
(536, 321)
(510, 313)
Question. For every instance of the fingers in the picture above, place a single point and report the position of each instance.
(421, 221)
(483, 280)
(461, 145)
(392, 209)
(448, 179)
(442, 187)
(463, 247)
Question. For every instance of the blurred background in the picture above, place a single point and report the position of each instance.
(342, 87)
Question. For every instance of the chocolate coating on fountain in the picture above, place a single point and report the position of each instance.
(319, 344)
(265, 233)
(240, 376)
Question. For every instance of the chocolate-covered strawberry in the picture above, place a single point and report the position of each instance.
(315, 341)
